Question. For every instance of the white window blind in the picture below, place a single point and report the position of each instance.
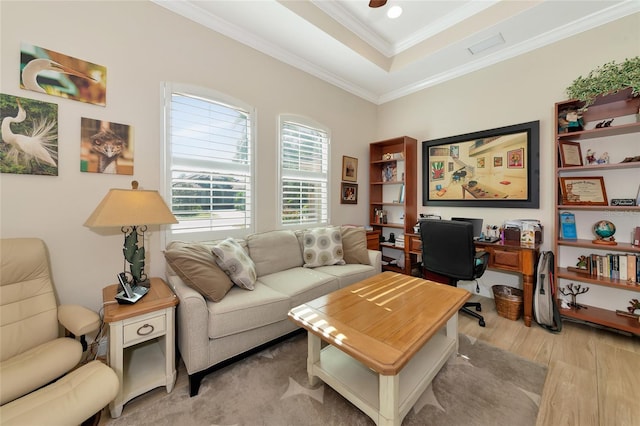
(304, 159)
(209, 153)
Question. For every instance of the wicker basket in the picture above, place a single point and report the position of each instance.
(509, 302)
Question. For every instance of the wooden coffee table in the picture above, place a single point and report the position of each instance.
(388, 336)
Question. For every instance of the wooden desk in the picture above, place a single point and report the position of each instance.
(505, 256)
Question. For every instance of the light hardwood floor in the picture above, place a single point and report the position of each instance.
(593, 376)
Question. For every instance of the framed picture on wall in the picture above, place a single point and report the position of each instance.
(515, 158)
(349, 193)
(492, 168)
(349, 169)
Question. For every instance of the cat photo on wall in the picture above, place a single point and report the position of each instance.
(106, 147)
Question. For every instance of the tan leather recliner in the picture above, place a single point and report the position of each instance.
(36, 385)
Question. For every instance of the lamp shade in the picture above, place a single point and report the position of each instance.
(129, 207)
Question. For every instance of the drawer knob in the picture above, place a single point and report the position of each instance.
(142, 330)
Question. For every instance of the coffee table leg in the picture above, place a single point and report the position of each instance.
(313, 356)
(389, 401)
(452, 331)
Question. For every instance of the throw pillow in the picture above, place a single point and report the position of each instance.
(233, 260)
(322, 246)
(196, 266)
(354, 245)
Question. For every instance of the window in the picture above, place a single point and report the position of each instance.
(304, 163)
(208, 163)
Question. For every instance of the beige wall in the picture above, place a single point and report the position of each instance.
(141, 45)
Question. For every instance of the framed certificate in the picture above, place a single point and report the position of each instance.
(583, 191)
(570, 153)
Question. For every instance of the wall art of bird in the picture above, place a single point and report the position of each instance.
(36, 66)
(38, 145)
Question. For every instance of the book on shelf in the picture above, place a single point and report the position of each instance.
(623, 267)
(568, 226)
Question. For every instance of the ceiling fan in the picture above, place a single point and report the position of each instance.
(377, 3)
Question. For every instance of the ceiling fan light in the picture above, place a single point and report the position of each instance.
(394, 12)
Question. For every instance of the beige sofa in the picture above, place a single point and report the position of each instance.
(212, 334)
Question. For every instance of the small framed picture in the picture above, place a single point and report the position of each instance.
(570, 153)
(349, 193)
(497, 161)
(515, 159)
(349, 169)
(583, 191)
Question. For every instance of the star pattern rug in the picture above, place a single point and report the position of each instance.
(482, 385)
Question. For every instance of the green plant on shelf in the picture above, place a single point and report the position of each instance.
(607, 79)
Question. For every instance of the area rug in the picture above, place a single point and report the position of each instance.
(483, 385)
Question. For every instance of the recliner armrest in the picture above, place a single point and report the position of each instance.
(78, 319)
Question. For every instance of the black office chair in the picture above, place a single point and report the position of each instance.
(449, 255)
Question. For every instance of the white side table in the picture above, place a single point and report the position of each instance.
(141, 342)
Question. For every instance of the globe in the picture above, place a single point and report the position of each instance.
(604, 230)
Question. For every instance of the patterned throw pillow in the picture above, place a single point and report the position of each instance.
(233, 260)
(322, 246)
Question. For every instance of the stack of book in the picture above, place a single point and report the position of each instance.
(623, 267)
(400, 241)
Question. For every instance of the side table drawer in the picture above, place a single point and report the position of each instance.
(145, 329)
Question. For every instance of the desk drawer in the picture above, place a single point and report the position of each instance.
(506, 259)
(144, 329)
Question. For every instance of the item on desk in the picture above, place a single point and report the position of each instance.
(513, 230)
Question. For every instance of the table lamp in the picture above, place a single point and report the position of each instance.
(132, 210)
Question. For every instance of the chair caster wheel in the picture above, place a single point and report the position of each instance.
(481, 322)
(479, 308)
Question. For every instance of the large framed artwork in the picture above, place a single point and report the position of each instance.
(475, 182)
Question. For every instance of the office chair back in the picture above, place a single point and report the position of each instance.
(448, 248)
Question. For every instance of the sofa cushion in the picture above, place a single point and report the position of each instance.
(323, 246)
(354, 245)
(274, 251)
(348, 274)
(233, 260)
(246, 310)
(195, 264)
(301, 284)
